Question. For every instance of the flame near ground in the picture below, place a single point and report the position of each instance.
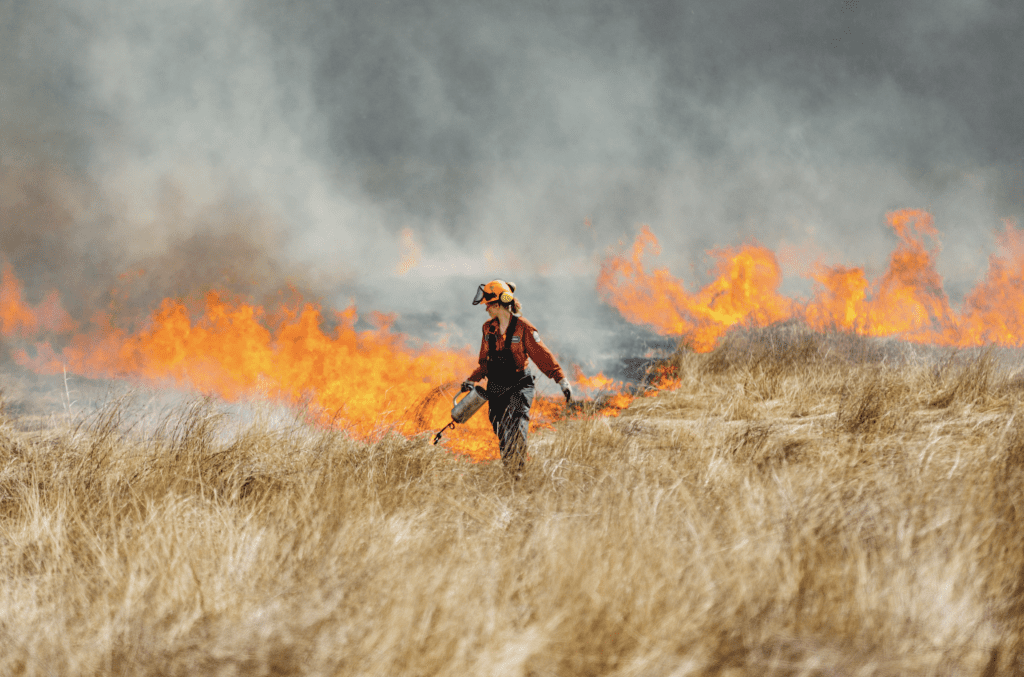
(907, 301)
(376, 380)
(365, 381)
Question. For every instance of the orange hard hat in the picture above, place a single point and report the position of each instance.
(495, 291)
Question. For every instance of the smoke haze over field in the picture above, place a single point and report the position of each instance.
(252, 144)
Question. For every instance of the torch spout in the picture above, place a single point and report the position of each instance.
(437, 437)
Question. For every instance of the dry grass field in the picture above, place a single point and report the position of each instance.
(802, 504)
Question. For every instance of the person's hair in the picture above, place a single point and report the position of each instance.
(516, 306)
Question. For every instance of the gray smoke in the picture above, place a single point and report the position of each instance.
(297, 142)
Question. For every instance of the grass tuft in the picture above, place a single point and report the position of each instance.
(803, 504)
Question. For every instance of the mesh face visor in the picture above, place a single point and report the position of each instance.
(484, 296)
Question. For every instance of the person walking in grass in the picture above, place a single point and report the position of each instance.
(509, 339)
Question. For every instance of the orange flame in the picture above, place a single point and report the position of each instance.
(908, 300)
(366, 381)
(371, 380)
(18, 318)
(994, 310)
(744, 292)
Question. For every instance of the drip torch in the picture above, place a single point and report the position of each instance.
(463, 410)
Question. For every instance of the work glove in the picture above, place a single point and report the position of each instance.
(467, 386)
(566, 389)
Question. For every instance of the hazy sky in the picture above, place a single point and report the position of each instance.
(298, 140)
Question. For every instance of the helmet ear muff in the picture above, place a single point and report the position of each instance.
(505, 298)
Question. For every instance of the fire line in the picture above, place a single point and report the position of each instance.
(371, 381)
(906, 301)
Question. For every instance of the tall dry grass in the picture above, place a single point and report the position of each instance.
(801, 505)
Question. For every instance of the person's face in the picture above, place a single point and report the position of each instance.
(492, 309)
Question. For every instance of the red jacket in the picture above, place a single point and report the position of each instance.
(529, 346)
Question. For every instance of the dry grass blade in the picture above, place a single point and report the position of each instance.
(803, 504)
(876, 401)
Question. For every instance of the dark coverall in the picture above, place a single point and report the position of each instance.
(510, 385)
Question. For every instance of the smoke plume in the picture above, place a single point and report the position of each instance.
(395, 154)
